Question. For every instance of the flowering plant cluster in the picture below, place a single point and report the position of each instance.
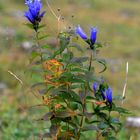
(78, 101)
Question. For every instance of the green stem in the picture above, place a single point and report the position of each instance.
(93, 54)
(81, 123)
(38, 44)
(97, 136)
(90, 62)
(83, 112)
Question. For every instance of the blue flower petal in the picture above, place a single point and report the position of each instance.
(80, 32)
(42, 14)
(93, 34)
(103, 95)
(95, 86)
(109, 95)
(29, 16)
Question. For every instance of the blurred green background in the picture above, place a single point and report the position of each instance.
(118, 28)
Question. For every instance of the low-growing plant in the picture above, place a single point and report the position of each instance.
(78, 99)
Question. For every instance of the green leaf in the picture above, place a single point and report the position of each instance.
(34, 54)
(105, 108)
(43, 91)
(98, 45)
(74, 86)
(89, 76)
(75, 96)
(103, 62)
(90, 98)
(45, 46)
(47, 116)
(89, 121)
(111, 138)
(88, 115)
(121, 110)
(77, 69)
(73, 105)
(67, 56)
(79, 59)
(66, 94)
(70, 77)
(66, 113)
(29, 25)
(64, 41)
(77, 80)
(90, 128)
(42, 37)
(79, 48)
(102, 125)
(114, 121)
(41, 26)
(38, 84)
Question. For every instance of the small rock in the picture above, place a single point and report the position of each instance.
(3, 86)
(26, 45)
(133, 122)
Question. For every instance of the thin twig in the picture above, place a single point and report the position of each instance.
(124, 89)
(90, 62)
(16, 77)
(52, 10)
(83, 113)
(54, 14)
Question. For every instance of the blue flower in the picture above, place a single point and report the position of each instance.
(93, 35)
(103, 95)
(33, 14)
(95, 86)
(81, 33)
(108, 95)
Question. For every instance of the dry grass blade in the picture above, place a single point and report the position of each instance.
(16, 77)
(124, 89)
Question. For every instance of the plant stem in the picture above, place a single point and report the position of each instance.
(83, 112)
(83, 105)
(97, 136)
(81, 123)
(90, 62)
(38, 45)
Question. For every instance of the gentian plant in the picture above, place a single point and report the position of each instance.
(77, 100)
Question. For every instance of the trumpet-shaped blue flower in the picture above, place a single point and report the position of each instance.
(33, 14)
(93, 34)
(95, 86)
(81, 33)
(108, 95)
(103, 95)
(105, 92)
